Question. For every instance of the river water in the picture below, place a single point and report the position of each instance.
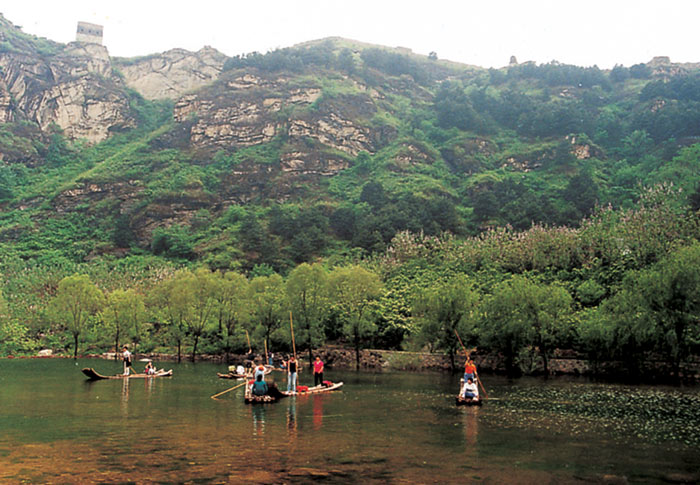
(56, 427)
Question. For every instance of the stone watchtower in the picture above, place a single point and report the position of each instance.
(90, 33)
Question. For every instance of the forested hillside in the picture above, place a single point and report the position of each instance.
(413, 179)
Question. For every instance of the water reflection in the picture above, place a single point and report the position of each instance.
(401, 428)
(318, 411)
(292, 418)
(258, 419)
(470, 419)
(125, 395)
(149, 385)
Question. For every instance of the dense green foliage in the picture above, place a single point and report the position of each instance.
(529, 208)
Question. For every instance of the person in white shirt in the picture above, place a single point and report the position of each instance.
(126, 357)
(470, 391)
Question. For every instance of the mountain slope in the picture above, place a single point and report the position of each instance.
(324, 149)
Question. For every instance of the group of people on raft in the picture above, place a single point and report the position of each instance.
(469, 389)
(127, 357)
(261, 388)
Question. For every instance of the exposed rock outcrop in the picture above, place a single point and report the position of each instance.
(249, 112)
(72, 87)
(173, 73)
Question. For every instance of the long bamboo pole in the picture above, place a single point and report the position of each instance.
(467, 352)
(227, 390)
(291, 325)
(266, 359)
(248, 337)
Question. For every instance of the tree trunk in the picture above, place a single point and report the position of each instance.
(545, 360)
(75, 348)
(179, 351)
(194, 347)
(116, 346)
(311, 356)
(357, 351)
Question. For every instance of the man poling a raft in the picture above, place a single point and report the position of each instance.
(470, 369)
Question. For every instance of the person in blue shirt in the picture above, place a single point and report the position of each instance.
(259, 386)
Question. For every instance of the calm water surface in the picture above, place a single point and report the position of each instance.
(381, 428)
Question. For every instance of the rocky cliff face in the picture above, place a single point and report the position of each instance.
(75, 86)
(321, 134)
(249, 109)
(173, 73)
(72, 87)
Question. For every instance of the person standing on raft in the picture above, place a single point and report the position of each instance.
(318, 371)
(469, 370)
(126, 357)
(292, 375)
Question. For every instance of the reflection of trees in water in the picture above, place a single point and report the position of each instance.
(258, 419)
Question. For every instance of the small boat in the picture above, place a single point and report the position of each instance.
(314, 390)
(94, 376)
(233, 375)
(468, 401)
(275, 394)
(460, 401)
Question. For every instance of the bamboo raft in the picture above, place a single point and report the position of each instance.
(460, 401)
(93, 375)
(315, 390)
(233, 375)
(276, 395)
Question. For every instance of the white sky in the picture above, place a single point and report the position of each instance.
(484, 33)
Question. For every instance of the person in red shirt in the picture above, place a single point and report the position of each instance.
(318, 371)
(469, 370)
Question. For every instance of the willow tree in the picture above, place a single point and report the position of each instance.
(267, 304)
(307, 295)
(354, 293)
(77, 300)
(170, 303)
(660, 308)
(442, 311)
(202, 287)
(671, 295)
(123, 313)
(233, 303)
(522, 313)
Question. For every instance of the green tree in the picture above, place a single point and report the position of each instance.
(354, 294)
(662, 304)
(233, 304)
(170, 302)
(77, 300)
(268, 305)
(307, 294)
(7, 183)
(447, 308)
(123, 313)
(13, 335)
(202, 304)
(521, 314)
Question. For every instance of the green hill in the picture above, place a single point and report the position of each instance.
(325, 151)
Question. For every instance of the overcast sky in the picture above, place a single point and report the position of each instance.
(484, 33)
